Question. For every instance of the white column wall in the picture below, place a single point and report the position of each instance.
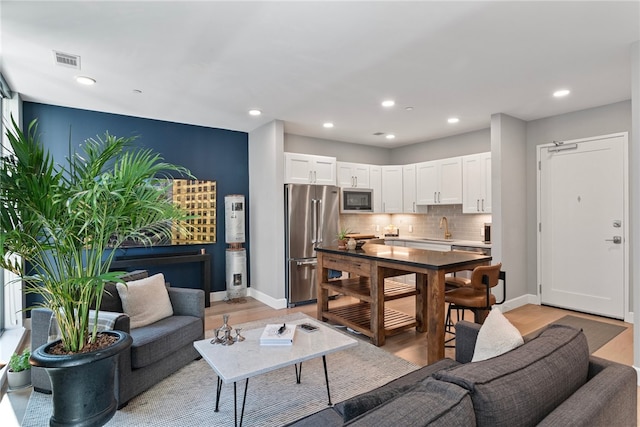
(266, 214)
(508, 198)
(634, 196)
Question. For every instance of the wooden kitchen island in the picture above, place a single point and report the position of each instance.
(368, 267)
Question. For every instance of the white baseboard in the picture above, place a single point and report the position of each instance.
(251, 292)
(519, 302)
(275, 303)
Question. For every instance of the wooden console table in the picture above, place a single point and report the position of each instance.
(369, 267)
(164, 259)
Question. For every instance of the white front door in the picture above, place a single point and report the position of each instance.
(583, 229)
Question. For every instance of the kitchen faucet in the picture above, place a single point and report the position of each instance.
(444, 220)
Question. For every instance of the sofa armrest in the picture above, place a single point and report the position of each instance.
(466, 336)
(607, 399)
(187, 302)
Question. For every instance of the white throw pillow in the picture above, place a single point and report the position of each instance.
(146, 300)
(496, 336)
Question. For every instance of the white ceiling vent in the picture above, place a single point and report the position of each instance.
(67, 60)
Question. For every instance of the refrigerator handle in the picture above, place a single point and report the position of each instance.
(320, 229)
(314, 221)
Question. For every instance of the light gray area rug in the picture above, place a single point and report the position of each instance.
(187, 398)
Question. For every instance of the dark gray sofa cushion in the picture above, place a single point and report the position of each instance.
(157, 340)
(431, 403)
(522, 386)
(362, 403)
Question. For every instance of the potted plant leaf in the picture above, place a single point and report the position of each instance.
(19, 373)
(60, 226)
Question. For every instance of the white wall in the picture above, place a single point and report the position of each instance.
(634, 201)
(508, 201)
(266, 221)
(442, 148)
(596, 121)
(343, 151)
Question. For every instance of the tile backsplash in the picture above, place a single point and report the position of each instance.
(461, 226)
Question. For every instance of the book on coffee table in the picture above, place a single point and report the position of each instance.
(278, 334)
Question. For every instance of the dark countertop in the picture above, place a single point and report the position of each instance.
(408, 256)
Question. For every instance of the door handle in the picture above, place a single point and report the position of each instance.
(320, 222)
(314, 221)
(616, 239)
(306, 263)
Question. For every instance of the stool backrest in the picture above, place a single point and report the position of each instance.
(485, 275)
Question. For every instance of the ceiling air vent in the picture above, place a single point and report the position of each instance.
(378, 133)
(67, 60)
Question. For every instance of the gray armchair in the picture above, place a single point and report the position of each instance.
(158, 350)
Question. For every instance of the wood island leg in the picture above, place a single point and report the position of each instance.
(421, 302)
(322, 275)
(435, 315)
(377, 305)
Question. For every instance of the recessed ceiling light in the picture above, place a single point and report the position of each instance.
(137, 91)
(390, 136)
(83, 80)
(562, 92)
(453, 120)
(255, 112)
(388, 103)
(408, 108)
(327, 125)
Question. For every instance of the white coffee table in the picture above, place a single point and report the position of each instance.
(248, 358)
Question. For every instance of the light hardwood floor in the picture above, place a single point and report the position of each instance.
(409, 345)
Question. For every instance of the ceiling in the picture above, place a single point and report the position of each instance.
(305, 63)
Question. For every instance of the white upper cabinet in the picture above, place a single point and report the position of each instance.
(309, 169)
(439, 182)
(375, 182)
(476, 183)
(409, 188)
(392, 189)
(353, 175)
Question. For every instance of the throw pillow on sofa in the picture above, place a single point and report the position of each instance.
(146, 300)
(496, 336)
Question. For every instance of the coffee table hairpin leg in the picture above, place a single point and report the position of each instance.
(246, 386)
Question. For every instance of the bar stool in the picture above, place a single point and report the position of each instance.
(476, 296)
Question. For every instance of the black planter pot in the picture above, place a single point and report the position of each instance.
(83, 385)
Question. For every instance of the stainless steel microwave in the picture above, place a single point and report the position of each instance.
(356, 200)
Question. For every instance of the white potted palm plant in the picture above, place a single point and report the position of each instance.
(60, 224)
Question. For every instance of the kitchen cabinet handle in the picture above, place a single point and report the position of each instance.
(311, 177)
(414, 207)
(439, 199)
(353, 183)
(356, 178)
(478, 205)
(435, 199)
(482, 205)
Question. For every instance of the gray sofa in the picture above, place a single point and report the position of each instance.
(551, 380)
(158, 350)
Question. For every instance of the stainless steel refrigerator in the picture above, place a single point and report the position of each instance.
(311, 220)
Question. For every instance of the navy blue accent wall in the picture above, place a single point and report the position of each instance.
(211, 154)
